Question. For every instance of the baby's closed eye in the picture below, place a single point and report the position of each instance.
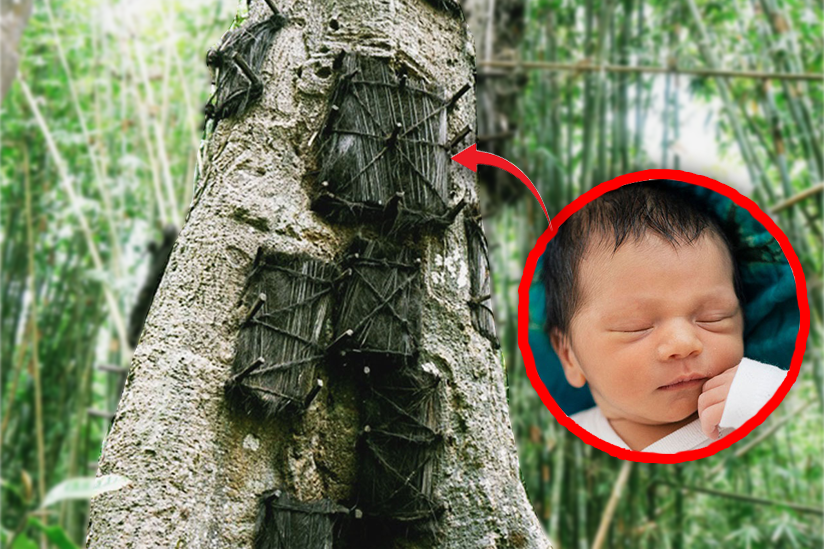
(717, 322)
(630, 326)
(634, 329)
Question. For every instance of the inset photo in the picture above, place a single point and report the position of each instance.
(662, 316)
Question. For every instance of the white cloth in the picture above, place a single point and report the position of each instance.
(753, 385)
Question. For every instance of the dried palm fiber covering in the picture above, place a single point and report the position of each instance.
(480, 280)
(284, 522)
(400, 443)
(449, 6)
(237, 62)
(377, 316)
(285, 335)
(383, 151)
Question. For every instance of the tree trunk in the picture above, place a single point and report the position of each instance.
(498, 29)
(14, 16)
(197, 467)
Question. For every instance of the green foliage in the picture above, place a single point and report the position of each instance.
(559, 121)
(54, 534)
(23, 542)
(123, 105)
(120, 88)
(84, 488)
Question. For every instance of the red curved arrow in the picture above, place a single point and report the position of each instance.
(471, 157)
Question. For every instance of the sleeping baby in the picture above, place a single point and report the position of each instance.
(644, 306)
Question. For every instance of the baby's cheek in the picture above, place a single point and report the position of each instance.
(728, 350)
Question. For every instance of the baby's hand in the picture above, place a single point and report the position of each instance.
(712, 400)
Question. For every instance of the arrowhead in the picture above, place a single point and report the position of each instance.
(468, 157)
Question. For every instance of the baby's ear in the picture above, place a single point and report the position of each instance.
(563, 348)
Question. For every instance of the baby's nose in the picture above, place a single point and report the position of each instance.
(679, 339)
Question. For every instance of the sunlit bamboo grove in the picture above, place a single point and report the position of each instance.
(101, 134)
(578, 129)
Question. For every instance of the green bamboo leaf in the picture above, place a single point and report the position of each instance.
(55, 534)
(23, 542)
(84, 488)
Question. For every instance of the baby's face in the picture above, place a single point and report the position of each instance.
(654, 324)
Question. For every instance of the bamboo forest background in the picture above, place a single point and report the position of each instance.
(100, 140)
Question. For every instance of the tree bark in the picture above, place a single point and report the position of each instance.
(14, 16)
(197, 469)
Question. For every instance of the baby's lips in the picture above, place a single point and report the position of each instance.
(684, 379)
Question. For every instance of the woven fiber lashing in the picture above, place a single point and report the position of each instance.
(377, 317)
(237, 62)
(480, 279)
(284, 522)
(383, 152)
(285, 334)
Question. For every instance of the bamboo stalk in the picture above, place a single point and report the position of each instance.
(665, 122)
(594, 504)
(557, 479)
(640, 113)
(623, 85)
(191, 111)
(95, 161)
(160, 143)
(15, 377)
(665, 115)
(678, 542)
(761, 140)
(749, 499)
(609, 103)
(606, 518)
(803, 195)
(556, 175)
(569, 108)
(676, 123)
(605, 15)
(771, 113)
(97, 116)
(581, 496)
(573, 518)
(34, 365)
(10, 296)
(603, 95)
(786, 56)
(163, 116)
(603, 136)
(15, 320)
(74, 444)
(489, 31)
(632, 508)
(585, 66)
(769, 432)
(754, 167)
(819, 378)
(586, 145)
(142, 115)
(652, 501)
(807, 134)
(68, 187)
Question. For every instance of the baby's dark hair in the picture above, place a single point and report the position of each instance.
(627, 213)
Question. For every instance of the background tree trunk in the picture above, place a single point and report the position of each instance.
(14, 15)
(498, 28)
(197, 470)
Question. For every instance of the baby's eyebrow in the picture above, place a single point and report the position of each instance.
(725, 297)
(643, 304)
(625, 311)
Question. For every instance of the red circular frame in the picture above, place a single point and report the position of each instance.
(523, 317)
